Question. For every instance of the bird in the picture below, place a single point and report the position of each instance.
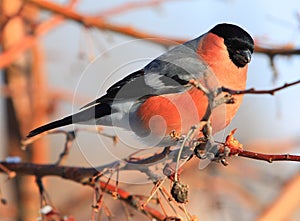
(159, 99)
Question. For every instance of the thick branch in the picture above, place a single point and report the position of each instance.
(92, 21)
(78, 174)
(128, 6)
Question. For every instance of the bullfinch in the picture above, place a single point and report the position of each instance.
(158, 100)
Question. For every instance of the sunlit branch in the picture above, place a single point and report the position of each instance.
(93, 21)
(269, 157)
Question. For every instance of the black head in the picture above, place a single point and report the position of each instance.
(239, 43)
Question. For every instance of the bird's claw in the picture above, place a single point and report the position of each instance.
(219, 153)
(175, 135)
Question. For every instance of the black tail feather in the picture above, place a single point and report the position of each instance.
(91, 113)
(59, 123)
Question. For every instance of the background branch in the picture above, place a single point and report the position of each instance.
(80, 175)
(99, 22)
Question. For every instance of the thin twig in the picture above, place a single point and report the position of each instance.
(152, 159)
(70, 137)
(254, 91)
(270, 158)
(156, 187)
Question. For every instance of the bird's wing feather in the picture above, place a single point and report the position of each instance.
(132, 86)
(169, 73)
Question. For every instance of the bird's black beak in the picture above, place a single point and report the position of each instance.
(246, 54)
(241, 57)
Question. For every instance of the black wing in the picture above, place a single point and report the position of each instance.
(132, 86)
(169, 73)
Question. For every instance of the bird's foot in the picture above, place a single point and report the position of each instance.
(175, 135)
(231, 147)
(219, 151)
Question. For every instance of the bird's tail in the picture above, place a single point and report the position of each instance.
(91, 113)
(55, 124)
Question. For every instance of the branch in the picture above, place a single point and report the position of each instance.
(254, 91)
(284, 51)
(131, 6)
(232, 147)
(10, 54)
(270, 158)
(80, 175)
(77, 174)
(100, 23)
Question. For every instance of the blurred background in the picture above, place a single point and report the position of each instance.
(52, 64)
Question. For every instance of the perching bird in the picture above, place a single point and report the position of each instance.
(157, 100)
